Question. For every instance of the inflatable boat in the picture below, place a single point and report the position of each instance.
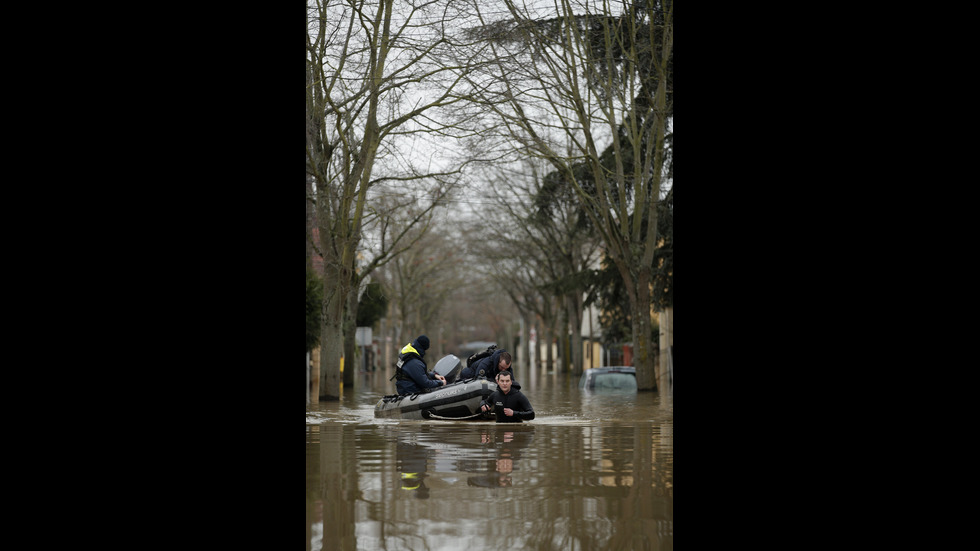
(457, 399)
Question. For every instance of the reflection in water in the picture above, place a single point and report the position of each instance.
(411, 462)
(590, 472)
(506, 444)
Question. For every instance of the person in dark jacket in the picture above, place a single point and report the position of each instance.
(509, 404)
(413, 375)
(495, 363)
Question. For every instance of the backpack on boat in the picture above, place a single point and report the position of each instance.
(480, 355)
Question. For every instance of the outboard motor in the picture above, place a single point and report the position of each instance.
(449, 367)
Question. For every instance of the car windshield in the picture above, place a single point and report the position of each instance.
(615, 381)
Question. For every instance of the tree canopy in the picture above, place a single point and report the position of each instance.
(372, 306)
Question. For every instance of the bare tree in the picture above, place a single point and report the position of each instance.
(545, 250)
(377, 82)
(586, 86)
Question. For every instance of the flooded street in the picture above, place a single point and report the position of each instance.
(591, 471)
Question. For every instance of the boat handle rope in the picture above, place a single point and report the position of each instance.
(434, 416)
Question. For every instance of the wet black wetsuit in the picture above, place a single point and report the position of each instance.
(515, 400)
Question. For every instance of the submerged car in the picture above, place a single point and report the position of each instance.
(616, 377)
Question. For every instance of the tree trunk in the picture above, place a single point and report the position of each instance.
(332, 330)
(666, 347)
(315, 376)
(310, 220)
(562, 336)
(550, 349)
(525, 356)
(351, 362)
(574, 303)
(646, 377)
(330, 354)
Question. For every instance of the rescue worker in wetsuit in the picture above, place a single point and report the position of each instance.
(495, 363)
(413, 375)
(508, 404)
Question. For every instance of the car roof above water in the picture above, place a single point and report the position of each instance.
(618, 377)
(612, 368)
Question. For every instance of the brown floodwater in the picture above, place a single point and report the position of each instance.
(591, 471)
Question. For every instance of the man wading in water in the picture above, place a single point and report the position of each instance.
(508, 404)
